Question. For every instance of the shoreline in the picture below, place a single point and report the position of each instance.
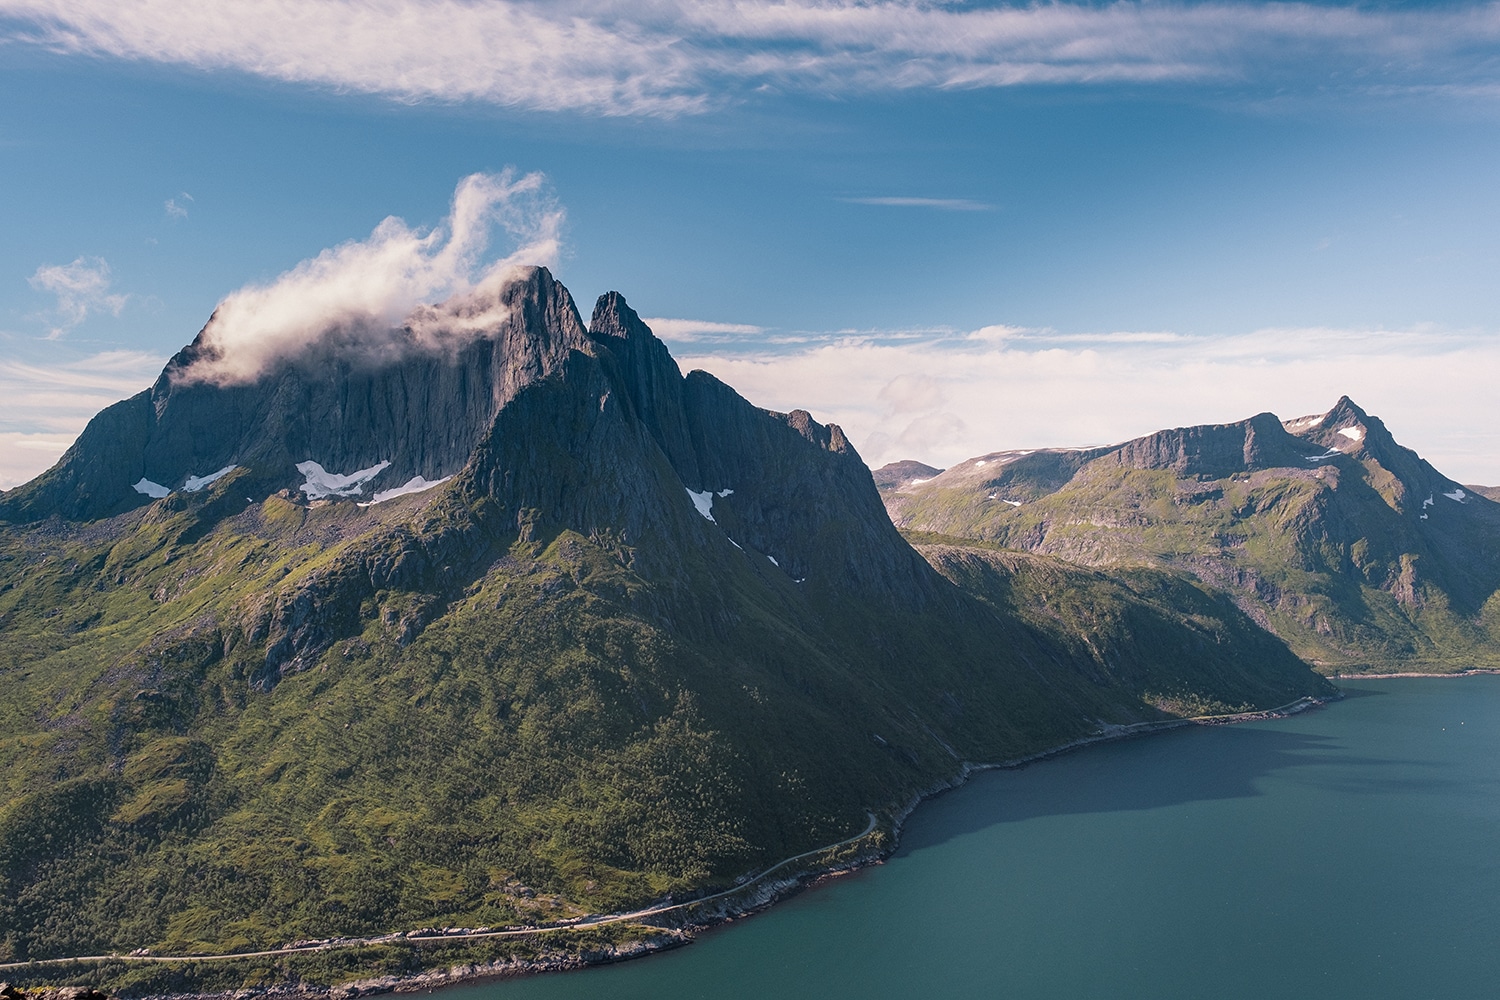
(1110, 734)
(1471, 672)
(727, 905)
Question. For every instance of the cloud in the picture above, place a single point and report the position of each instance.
(81, 287)
(44, 406)
(691, 330)
(175, 207)
(374, 295)
(670, 57)
(944, 398)
(942, 204)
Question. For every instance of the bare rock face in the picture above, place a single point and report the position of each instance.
(779, 484)
(1214, 451)
(422, 412)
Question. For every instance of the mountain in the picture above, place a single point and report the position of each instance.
(899, 474)
(515, 624)
(1349, 546)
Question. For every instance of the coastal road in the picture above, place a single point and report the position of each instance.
(586, 922)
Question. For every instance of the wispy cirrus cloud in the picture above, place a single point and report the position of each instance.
(672, 57)
(177, 208)
(81, 287)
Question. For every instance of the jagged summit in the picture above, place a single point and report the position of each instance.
(591, 428)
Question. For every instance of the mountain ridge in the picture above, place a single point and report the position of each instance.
(1347, 544)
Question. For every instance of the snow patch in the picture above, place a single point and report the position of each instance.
(153, 490)
(773, 561)
(322, 483)
(704, 502)
(1353, 433)
(980, 463)
(196, 483)
(1428, 503)
(1424, 517)
(917, 482)
(1330, 453)
(1457, 494)
(1014, 503)
(416, 484)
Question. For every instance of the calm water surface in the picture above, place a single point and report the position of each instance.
(1352, 851)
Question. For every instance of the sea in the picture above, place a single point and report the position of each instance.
(1349, 851)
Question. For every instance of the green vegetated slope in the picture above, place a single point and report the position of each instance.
(646, 639)
(1353, 549)
(1186, 647)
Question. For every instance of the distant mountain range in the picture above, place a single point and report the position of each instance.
(526, 627)
(1350, 547)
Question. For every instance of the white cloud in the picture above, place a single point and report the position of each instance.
(81, 287)
(689, 330)
(44, 406)
(177, 207)
(374, 294)
(668, 57)
(943, 399)
(942, 204)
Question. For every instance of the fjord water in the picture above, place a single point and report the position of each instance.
(1350, 851)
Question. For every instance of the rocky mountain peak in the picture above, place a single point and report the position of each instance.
(640, 364)
(356, 412)
(1214, 451)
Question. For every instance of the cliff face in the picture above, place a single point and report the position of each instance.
(1214, 451)
(1350, 546)
(424, 413)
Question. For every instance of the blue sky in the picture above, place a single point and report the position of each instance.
(951, 227)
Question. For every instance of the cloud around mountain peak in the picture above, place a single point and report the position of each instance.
(376, 297)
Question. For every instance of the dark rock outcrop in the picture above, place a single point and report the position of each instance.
(1214, 451)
